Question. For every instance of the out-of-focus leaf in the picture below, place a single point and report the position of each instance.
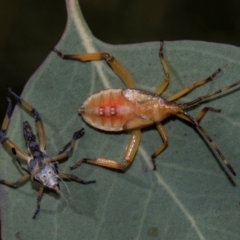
(190, 196)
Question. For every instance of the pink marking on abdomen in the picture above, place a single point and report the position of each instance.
(107, 110)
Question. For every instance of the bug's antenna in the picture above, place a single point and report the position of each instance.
(195, 123)
(199, 99)
(68, 190)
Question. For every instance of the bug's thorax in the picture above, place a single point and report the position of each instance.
(45, 173)
(122, 109)
(41, 170)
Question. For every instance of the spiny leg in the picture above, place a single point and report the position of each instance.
(130, 152)
(75, 178)
(63, 153)
(190, 87)
(199, 99)
(196, 124)
(162, 147)
(166, 80)
(6, 141)
(39, 198)
(38, 120)
(117, 67)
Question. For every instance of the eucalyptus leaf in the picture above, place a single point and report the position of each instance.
(191, 195)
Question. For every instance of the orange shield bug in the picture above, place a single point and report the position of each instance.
(132, 109)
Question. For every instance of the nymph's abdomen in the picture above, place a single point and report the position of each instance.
(123, 109)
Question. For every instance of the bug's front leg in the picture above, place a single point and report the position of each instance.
(130, 152)
(75, 178)
(67, 150)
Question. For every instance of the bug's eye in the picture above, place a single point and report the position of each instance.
(44, 176)
(50, 172)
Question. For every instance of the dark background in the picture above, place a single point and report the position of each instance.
(28, 29)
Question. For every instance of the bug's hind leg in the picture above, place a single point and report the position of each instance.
(127, 79)
(6, 141)
(130, 152)
(39, 198)
(38, 120)
(117, 67)
(162, 147)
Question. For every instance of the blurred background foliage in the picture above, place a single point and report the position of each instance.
(29, 29)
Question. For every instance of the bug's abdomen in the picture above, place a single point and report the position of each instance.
(107, 110)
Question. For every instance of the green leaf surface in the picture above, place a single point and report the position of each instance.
(190, 196)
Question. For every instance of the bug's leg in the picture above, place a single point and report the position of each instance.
(67, 150)
(117, 67)
(6, 119)
(19, 163)
(130, 152)
(75, 178)
(39, 198)
(6, 141)
(201, 114)
(38, 120)
(209, 139)
(127, 79)
(190, 87)
(15, 184)
(166, 80)
(162, 147)
(199, 99)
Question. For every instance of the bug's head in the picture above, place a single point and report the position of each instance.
(48, 176)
